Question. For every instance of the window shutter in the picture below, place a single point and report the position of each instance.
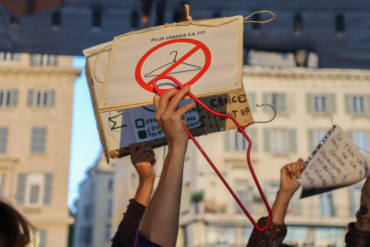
(42, 238)
(266, 140)
(350, 195)
(333, 105)
(227, 141)
(292, 140)
(14, 99)
(368, 103)
(52, 98)
(350, 134)
(3, 140)
(252, 133)
(349, 103)
(38, 140)
(48, 188)
(2, 177)
(266, 100)
(21, 188)
(282, 105)
(311, 140)
(30, 97)
(251, 96)
(309, 102)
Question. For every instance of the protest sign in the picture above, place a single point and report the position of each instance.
(119, 128)
(205, 54)
(335, 163)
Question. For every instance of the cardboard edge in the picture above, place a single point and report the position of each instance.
(99, 124)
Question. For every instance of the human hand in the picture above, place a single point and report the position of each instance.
(288, 184)
(170, 117)
(142, 157)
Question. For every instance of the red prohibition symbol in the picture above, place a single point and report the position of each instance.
(198, 45)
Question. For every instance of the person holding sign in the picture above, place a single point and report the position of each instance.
(160, 223)
(142, 157)
(275, 235)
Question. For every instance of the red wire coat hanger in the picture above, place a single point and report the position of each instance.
(241, 130)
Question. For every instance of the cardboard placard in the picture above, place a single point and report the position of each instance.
(205, 54)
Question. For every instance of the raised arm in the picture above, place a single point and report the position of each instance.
(161, 219)
(142, 157)
(275, 235)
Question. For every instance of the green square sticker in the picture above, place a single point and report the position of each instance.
(142, 134)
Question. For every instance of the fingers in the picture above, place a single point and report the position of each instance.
(141, 153)
(174, 103)
(293, 169)
(182, 110)
(161, 102)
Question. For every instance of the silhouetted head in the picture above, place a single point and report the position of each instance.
(15, 230)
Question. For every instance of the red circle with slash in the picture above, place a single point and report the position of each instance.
(198, 45)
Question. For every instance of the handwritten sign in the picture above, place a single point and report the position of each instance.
(119, 128)
(335, 163)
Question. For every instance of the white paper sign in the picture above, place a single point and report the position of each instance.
(207, 58)
(335, 163)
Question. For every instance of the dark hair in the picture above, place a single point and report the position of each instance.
(15, 230)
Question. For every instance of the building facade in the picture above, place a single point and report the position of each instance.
(94, 210)
(209, 214)
(36, 95)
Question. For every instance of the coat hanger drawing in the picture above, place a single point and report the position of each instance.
(188, 67)
(240, 129)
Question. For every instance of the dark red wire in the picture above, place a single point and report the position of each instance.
(240, 129)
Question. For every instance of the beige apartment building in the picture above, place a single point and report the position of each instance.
(94, 210)
(36, 94)
(301, 98)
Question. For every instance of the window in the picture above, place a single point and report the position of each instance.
(320, 103)
(236, 142)
(135, 19)
(8, 97)
(354, 198)
(256, 26)
(362, 140)
(56, 19)
(326, 205)
(339, 23)
(328, 236)
(314, 137)
(218, 235)
(358, 104)
(277, 100)
(41, 98)
(298, 23)
(9, 56)
(107, 232)
(296, 234)
(43, 60)
(273, 188)
(38, 140)
(110, 185)
(243, 192)
(3, 139)
(279, 141)
(34, 189)
(41, 238)
(109, 207)
(96, 18)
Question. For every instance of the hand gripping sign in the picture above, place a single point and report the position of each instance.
(241, 130)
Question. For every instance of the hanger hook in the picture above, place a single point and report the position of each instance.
(331, 118)
(271, 118)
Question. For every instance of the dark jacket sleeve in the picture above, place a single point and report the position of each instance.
(125, 235)
(272, 237)
(357, 238)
